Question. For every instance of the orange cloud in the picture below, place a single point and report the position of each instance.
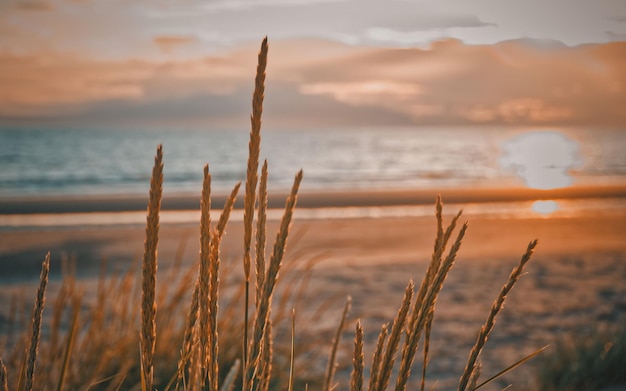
(169, 43)
(34, 85)
(366, 91)
(34, 5)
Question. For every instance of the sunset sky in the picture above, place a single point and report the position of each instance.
(188, 63)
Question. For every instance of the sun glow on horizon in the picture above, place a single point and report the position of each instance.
(542, 159)
(545, 208)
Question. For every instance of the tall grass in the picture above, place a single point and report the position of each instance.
(188, 345)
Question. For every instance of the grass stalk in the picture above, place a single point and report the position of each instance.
(377, 357)
(292, 358)
(427, 330)
(204, 278)
(422, 311)
(213, 364)
(397, 330)
(4, 377)
(356, 378)
(229, 380)
(261, 232)
(149, 273)
(263, 306)
(509, 368)
(330, 369)
(254, 148)
(71, 337)
(36, 330)
(188, 335)
(485, 330)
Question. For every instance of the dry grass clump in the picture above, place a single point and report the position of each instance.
(191, 344)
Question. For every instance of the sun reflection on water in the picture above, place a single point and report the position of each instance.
(544, 160)
(545, 208)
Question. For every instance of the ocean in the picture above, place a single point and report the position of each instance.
(42, 162)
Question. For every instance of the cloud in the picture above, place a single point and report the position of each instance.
(117, 30)
(319, 83)
(34, 5)
(347, 21)
(613, 36)
(168, 43)
(515, 82)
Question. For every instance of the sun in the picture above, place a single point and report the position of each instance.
(543, 160)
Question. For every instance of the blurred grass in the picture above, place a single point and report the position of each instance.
(586, 360)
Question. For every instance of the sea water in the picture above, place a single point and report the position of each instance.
(41, 162)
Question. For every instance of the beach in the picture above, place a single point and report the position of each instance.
(574, 282)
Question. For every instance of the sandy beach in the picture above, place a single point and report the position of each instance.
(576, 280)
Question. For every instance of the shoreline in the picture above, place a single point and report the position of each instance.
(310, 199)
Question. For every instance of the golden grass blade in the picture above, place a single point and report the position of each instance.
(174, 379)
(254, 150)
(450, 229)
(246, 352)
(57, 312)
(377, 357)
(105, 379)
(188, 334)
(228, 207)
(213, 364)
(475, 375)
(510, 368)
(261, 241)
(423, 310)
(36, 330)
(70, 343)
(229, 381)
(4, 382)
(149, 272)
(491, 319)
(397, 329)
(20, 384)
(263, 307)
(439, 217)
(261, 232)
(280, 244)
(267, 356)
(356, 378)
(204, 277)
(330, 370)
(441, 242)
(292, 358)
(427, 329)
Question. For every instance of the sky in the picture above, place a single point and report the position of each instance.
(332, 63)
